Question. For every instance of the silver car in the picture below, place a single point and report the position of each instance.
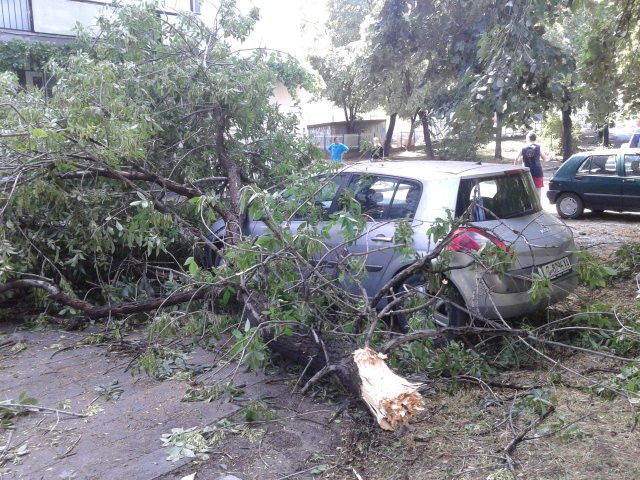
(502, 207)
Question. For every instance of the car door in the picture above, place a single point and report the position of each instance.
(384, 201)
(631, 182)
(598, 182)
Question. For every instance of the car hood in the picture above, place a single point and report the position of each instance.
(536, 239)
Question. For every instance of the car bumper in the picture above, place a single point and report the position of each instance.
(552, 195)
(502, 300)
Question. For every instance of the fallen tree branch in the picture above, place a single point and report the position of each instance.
(101, 311)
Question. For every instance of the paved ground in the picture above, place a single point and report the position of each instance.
(121, 438)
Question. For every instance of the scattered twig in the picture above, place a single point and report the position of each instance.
(304, 471)
(68, 452)
(6, 447)
(508, 450)
(326, 370)
(36, 408)
(301, 375)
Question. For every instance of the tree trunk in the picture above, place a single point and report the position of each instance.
(428, 146)
(233, 218)
(350, 115)
(498, 154)
(411, 130)
(387, 140)
(605, 134)
(567, 141)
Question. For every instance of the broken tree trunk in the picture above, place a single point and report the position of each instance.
(391, 399)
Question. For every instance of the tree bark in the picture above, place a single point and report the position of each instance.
(232, 217)
(102, 311)
(428, 145)
(567, 141)
(498, 154)
(350, 115)
(411, 130)
(389, 136)
(605, 134)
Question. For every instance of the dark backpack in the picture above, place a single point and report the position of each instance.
(531, 155)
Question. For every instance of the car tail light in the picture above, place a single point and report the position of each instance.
(552, 185)
(512, 172)
(472, 239)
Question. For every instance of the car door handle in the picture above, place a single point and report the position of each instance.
(382, 238)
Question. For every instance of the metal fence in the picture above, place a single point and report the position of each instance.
(15, 15)
(351, 140)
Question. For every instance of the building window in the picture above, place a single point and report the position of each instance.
(195, 6)
(15, 15)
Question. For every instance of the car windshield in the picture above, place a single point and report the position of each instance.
(497, 197)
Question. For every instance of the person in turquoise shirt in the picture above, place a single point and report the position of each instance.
(336, 149)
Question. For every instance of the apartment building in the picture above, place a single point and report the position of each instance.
(54, 20)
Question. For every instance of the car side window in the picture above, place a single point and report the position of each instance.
(586, 165)
(632, 165)
(599, 165)
(383, 198)
(325, 193)
(405, 201)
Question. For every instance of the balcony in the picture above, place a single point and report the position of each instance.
(16, 15)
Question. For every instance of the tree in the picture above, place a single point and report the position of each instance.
(600, 84)
(110, 186)
(346, 81)
(516, 62)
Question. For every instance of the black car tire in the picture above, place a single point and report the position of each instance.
(457, 316)
(569, 205)
(401, 320)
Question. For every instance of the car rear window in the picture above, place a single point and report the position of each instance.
(497, 197)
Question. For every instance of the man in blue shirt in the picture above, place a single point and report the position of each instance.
(336, 149)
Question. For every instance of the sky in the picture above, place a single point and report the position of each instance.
(295, 27)
(291, 26)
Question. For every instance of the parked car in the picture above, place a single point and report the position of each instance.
(598, 180)
(504, 210)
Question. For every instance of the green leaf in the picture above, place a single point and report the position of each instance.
(39, 133)
(193, 266)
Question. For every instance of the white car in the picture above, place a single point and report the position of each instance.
(503, 209)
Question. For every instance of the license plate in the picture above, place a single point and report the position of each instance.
(556, 269)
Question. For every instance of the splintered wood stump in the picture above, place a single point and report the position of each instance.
(392, 399)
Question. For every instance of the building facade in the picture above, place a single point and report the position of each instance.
(54, 21)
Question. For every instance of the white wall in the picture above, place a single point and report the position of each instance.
(60, 16)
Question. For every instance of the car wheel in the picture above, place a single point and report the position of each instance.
(455, 314)
(450, 312)
(401, 320)
(569, 205)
